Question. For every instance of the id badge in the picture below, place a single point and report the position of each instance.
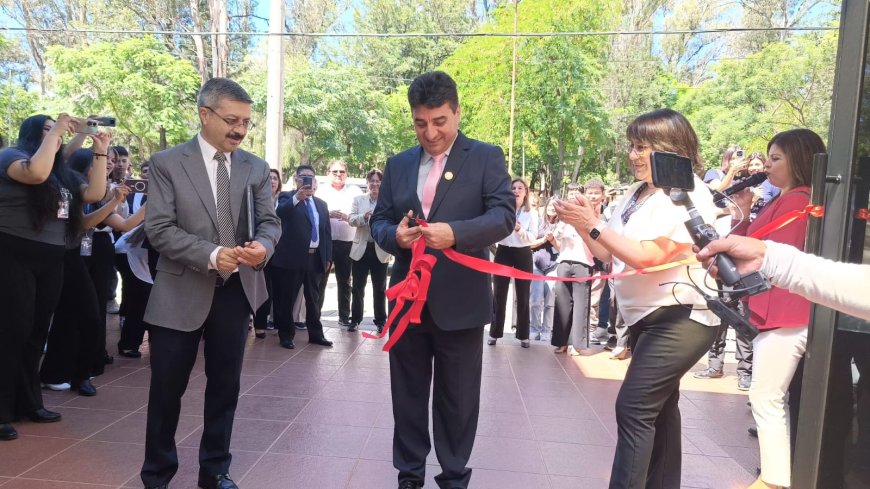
(87, 244)
(63, 205)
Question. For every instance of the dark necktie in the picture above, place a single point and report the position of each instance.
(226, 230)
(310, 207)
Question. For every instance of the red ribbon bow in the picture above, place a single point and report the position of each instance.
(414, 288)
(787, 218)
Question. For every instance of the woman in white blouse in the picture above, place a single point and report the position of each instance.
(515, 251)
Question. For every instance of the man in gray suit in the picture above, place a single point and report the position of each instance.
(209, 278)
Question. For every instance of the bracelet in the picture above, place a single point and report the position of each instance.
(101, 154)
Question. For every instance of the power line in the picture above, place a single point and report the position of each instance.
(401, 35)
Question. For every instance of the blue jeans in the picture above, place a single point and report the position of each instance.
(541, 301)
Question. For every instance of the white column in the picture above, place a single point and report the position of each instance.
(275, 94)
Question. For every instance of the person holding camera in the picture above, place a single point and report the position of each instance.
(35, 215)
(671, 326)
(781, 317)
(732, 163)
(302, 256)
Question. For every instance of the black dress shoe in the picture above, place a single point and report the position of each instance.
(753, 431)
(108, 359)
(43, 415)
(300, 326)
(288, 344)
(222, 481)
(344, 322)
(321, 342)
(7, 432)
(85, 388)
(130, 353)
(410, 485)
(260, 334)
(353, 327)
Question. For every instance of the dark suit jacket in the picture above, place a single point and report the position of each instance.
(477, 203)
(292, 250)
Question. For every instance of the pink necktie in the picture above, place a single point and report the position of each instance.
(432, 183)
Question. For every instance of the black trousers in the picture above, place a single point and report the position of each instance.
(135, 293)
(369, 263)
(343, 266)
(101, 266)
(521, 259)
(457, 358)
(73, 338)
(285, 288)
(571, 311)
(664, 346)
(262, 315)
(173, 354)
(31, 274)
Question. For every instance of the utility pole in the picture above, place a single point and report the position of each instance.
(275, 86)
(513, 91)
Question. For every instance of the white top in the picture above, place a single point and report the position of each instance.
(571, 245)
(528, 230)
(340, 200)
(640, 295)
(841, 286)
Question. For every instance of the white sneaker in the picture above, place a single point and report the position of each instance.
(57, 387)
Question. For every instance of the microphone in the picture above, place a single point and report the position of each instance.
(749, 181)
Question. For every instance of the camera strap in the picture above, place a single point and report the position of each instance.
(633, 205)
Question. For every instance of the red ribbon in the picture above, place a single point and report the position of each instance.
(415, 286)
(862, 214)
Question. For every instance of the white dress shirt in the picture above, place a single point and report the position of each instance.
(340, 200)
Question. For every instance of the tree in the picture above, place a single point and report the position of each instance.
(138, 81)
(784, 86)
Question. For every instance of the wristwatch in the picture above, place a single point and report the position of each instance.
(595, 232)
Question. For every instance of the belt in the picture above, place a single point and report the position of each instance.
(312, 251)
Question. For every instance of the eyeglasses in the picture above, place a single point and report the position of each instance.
(638, 148)
(233, 123)
(338, 172)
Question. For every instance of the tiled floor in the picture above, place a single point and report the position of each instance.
(321, 418)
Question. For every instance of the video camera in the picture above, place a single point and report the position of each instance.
(673, 174)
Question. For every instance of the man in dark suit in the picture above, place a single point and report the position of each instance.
(209, 278)
(462, 188)
(302, 256)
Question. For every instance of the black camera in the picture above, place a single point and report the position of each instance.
(137, 185)
(673, 174)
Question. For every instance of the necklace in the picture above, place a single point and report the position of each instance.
(636, 202)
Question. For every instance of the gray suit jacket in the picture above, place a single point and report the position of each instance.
(181, 224)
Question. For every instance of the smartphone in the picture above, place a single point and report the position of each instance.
(106, 121)
(670, 170)
(137, 185)
(738, 153)
(307, 181)
(88, 126)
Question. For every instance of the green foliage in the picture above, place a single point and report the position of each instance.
(783, 86)
(558, 93)
(136, 80)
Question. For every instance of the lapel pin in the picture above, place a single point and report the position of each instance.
(448, 176)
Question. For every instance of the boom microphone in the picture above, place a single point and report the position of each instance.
(749, 181)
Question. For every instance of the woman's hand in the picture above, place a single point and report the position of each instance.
(743, 201)
(578, 213)
(120, 193)
(65, 124)
(101, 142)
(737, 164)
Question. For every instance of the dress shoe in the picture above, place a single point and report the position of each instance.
(411, 485)
(352, 328)
(321, 342)
(380, 328)
(130, 353)
(7, 432)
(709, 373)
(344, 322)
(753, 431)
(260, 333)
(300, 326)
(525, 343)
(288, 344)
(108, 359)
(222, 481)
(43, 415)
(491, 341)
(85, 388)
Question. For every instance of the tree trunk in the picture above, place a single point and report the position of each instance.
(220, 48)
(574, 174)
(557, 180)
(201, 62)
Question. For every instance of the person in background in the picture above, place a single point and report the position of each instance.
(594, 192)
(732, 163)
(671, 327)
(570, 317)
(781, 317)
(515, 251)
(367, 256)
(545, 251)
(339, 198)
(262, 315)
(34, 215)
